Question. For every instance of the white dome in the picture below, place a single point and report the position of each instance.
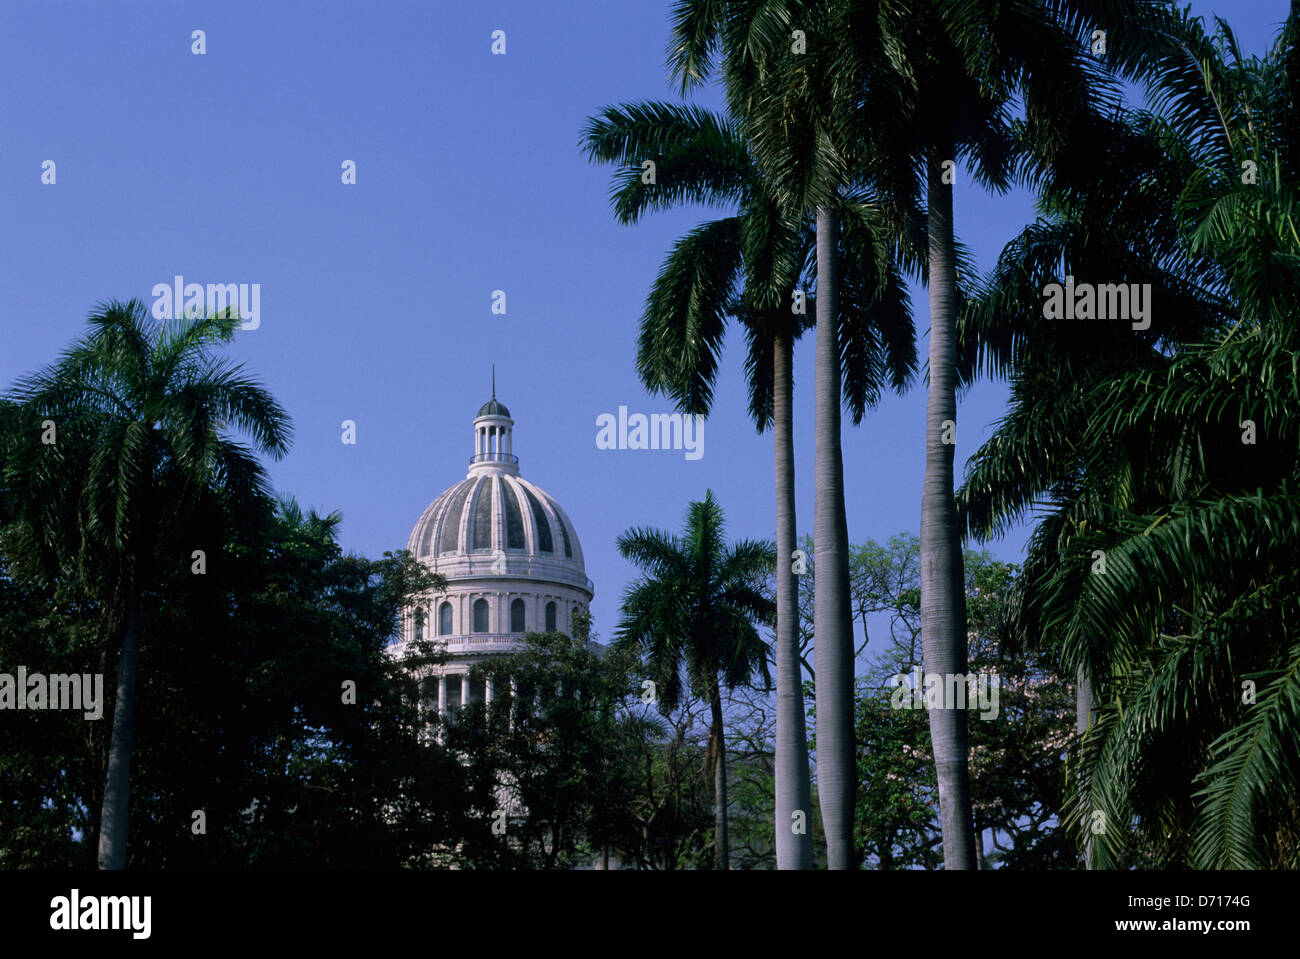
(509, 554)
(512, 562)
(494, 521)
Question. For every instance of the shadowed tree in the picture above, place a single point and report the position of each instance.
(1107, 213)
(121, 440)
(1172, 470)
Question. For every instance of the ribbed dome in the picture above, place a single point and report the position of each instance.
(491, 511)
(495, 523)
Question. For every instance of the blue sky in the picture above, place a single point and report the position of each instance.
(376, 298)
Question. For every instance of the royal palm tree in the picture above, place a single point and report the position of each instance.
(946, 74)
(876, 92)
(120, 441)
(749, 266)
(796, 112)
(700, 156)
(960, 67)
(692, 617)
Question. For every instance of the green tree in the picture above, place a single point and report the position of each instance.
(795, 111)
(251, 718)
(956, 69)
(896, 96)
(702, 157)
(1159, 574)
(123, 436)
(561, 747)
(692, 619)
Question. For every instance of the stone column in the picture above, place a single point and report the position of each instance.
(464, 690)
(487, 690)
(442, 695)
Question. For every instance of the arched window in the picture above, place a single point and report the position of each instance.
(480, 615)
(444, 619)
(550, 617)
(517, 616)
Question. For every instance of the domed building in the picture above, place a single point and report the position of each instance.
(511, 558)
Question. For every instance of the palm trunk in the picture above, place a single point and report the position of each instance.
(117, 788)
(832, 616)
(943, 597)
(793, 790)
(1082, 720)
(721, 852)
(1082, 703)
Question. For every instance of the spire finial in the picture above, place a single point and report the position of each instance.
(494, 381)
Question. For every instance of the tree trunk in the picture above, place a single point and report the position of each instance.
(117, 787)
(793, 790)
(943, 596)
(1082, 703)
(721, 852)
(832, 615)
(1082, 720)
